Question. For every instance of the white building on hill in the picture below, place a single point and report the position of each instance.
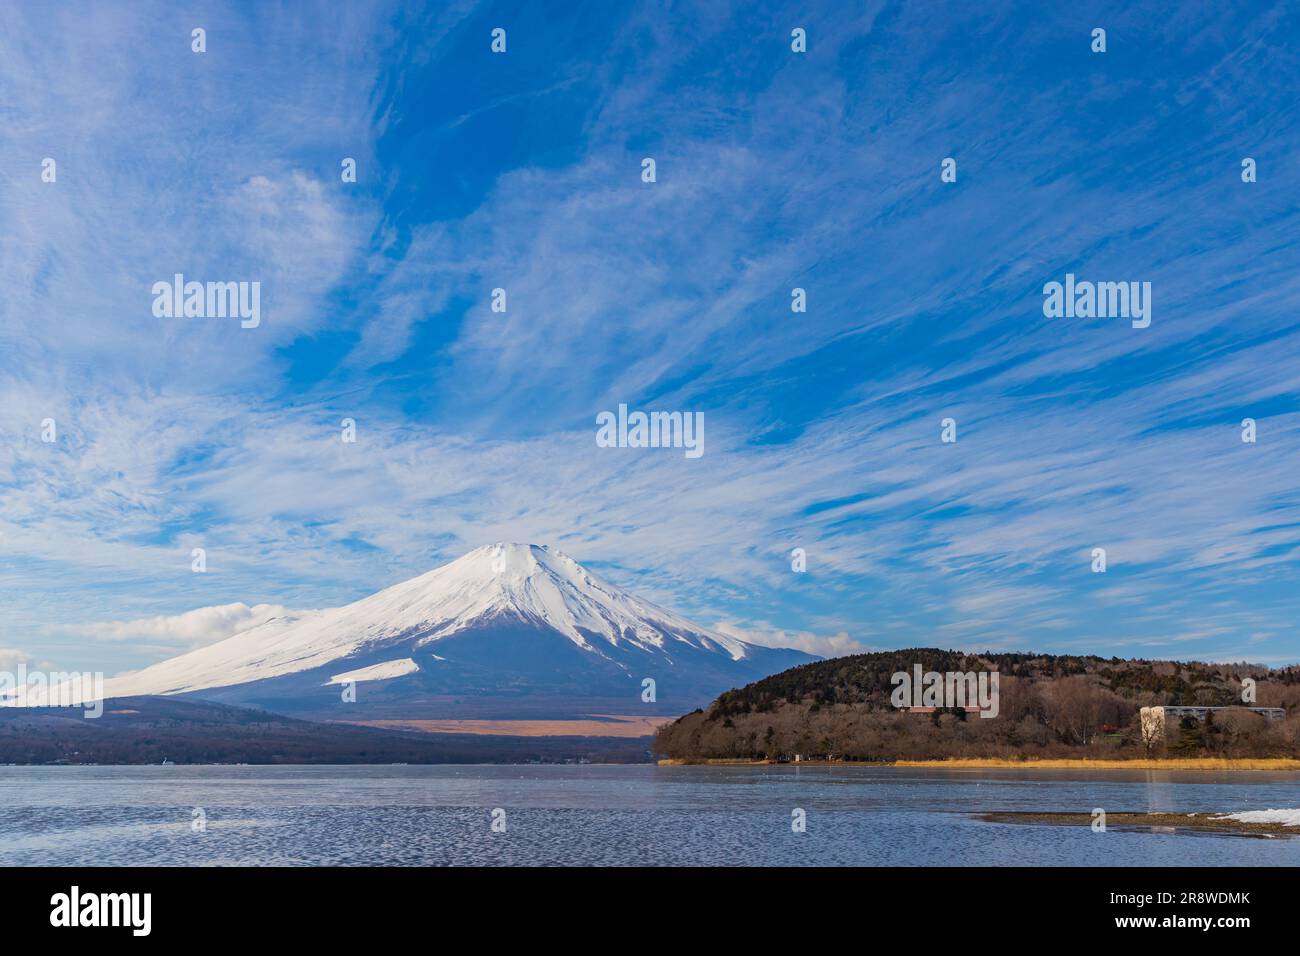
(1154, 718)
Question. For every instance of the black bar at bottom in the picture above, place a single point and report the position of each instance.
(214, 905)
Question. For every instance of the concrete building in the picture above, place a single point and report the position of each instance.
(1154, 718)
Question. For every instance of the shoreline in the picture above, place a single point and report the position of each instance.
(997, 763)
(1151, 822)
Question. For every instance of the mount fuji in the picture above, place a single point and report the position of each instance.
(506, 631)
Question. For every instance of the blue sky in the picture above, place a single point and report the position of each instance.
(775, 170)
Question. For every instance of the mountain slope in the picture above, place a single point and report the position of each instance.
(505, 626)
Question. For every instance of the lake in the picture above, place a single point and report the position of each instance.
(614, 815)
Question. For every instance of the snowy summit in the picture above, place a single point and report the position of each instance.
(503, 619)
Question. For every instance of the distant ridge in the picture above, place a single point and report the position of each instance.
(149, 730)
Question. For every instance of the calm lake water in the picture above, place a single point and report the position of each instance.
(613, 815)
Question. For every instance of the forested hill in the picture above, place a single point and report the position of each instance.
(1049, 706)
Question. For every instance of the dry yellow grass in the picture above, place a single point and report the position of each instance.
(978, 763)
(1208, 763)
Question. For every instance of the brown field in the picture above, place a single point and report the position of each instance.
(597, 725)
(1206, 763)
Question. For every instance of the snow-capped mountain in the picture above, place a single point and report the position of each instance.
(507, 626)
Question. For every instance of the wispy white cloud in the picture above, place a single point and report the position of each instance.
(832, 645)
(205, 625)
(11, 659)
